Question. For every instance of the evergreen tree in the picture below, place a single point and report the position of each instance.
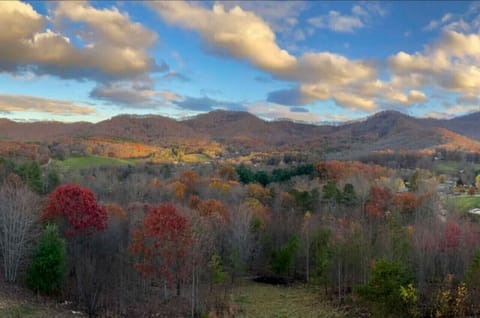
(47, 268)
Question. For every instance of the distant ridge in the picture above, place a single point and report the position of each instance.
(383, 130)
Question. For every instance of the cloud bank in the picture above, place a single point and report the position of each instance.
(20, 103)
(320, 76)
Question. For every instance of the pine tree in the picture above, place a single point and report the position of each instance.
(47, 268)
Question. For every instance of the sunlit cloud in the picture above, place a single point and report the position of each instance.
(452, 111)
(21, 103)
(114, 47)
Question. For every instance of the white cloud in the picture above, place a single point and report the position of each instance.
(274, 111)
(241, 33)
(280, 17)
(361, 16)
(453, 63)
(337, 22)
(319, 75)
(432, 25)
(138, 94)
(447, 17)
(108, 25)
(354, 101)
(453, 111)
(124, 95)
(22, 103)
(114, 46)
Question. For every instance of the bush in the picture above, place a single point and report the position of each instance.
(47, 269)
(384, 290)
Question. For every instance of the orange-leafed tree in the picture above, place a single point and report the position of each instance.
(227, 173)
(379, 202)
(190, 179)
(406, 202)
(162, 243)
(78, 206)
(115, 210)
(213, 208)
(330, 170)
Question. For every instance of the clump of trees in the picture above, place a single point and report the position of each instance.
(125, 241)
(247, 175)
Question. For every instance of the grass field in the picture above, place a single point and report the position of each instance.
(195, 158)
(16, 302)
(256, 300)
(34, 311)
(448, 167)
(91, 161)
(464, 203)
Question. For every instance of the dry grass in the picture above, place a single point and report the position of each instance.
(268, 301)
(17, 302)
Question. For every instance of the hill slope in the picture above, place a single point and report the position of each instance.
(384, 130)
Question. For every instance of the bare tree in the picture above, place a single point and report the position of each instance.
(18, 216)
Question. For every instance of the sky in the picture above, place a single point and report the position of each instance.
(315, 61)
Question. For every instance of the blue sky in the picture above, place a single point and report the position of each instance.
(308, 61)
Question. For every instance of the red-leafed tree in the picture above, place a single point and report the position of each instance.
(163, 242)
(78, 206)
(84, 222)
(452, 235)
(379, 201)
(472, 190)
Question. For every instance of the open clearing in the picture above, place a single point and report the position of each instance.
(92, 161)
(195, 158)
(464, 203)
(17, 302)
(450, 167)
(269, 301)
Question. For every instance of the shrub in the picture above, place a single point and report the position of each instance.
(384, 289)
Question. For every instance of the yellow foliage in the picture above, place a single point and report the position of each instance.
(410, 229)
(410, 298)
(461, 300)
(233, 183)
(258, 192)
(260, 211)
(220, 186)
(179, 190)
(155, 182)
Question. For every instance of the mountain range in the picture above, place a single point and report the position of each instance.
(390, 130)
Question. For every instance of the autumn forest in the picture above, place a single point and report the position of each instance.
(120, 232)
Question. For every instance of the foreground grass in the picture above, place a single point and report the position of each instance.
(92, 161)
(17, 302)
(464, 203)
(33, 311)
(268, 301)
